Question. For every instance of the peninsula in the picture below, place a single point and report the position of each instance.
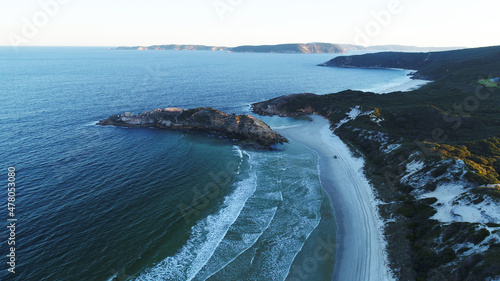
(242, 127)
(294, 48)
(432, 156)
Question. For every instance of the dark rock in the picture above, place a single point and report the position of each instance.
(285, 106)
(201, 119)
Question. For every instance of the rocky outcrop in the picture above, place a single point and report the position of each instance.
(286, 106)
(243, 127)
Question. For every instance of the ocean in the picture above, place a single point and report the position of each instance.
(108, 203)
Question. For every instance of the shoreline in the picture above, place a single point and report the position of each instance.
(408, 86)
(361, 252)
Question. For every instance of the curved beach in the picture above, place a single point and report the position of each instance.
(360, 254)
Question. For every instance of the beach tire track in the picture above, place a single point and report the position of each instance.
(363, 268)
(361, 256)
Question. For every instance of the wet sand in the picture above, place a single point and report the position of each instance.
(360, 253)
(411, 84)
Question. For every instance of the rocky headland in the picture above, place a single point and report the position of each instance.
(242, 127)
(428, 65)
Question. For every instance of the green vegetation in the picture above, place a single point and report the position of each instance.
(489, 83)
(483, 162)
(438, 114)
(468, 64)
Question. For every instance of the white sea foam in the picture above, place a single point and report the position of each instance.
(238, 151)
(363, 256)
(205, 237)
(285, 127)
(93, 123)
(403, 84)
(112, 277)
(254, 219)
(274, 218)
(265, 211)
(230, 249)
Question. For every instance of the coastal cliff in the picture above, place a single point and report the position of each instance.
(243, 127)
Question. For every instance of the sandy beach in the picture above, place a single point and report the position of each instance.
(410, 85)
(360, 255)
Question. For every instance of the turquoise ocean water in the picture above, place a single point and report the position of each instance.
(104, 203)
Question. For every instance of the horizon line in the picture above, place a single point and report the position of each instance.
(227, 46)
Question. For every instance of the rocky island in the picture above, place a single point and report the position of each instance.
(432, 156)
(242, 127)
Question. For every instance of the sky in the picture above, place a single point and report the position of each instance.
(423, 23)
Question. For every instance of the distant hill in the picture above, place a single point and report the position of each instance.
(307, 48)
(402, 48)
(431, 65)
(175, 48)
(311, 48)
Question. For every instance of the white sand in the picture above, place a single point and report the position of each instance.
(360, 254)
(411, 84)
(454, 205)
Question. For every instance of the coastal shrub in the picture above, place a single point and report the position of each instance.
(462, 250)
(483, 168)
(447, 255)
(457, 232)
(425, 259)
(493, 193)
(429, 201)
(491, 261)
(416, 210)
(479, 236)
(480, 160)
(431, 186)
(449, 151)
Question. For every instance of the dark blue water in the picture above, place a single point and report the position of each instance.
(96, 203)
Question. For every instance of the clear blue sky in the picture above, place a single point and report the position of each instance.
(241, 22)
